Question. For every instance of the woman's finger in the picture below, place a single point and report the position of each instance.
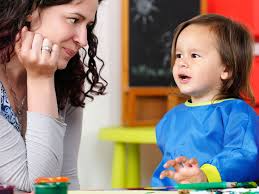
(46, 50)
(18, 41)
(54, 57)
(27, 39)
(23, 44)
(37, 44)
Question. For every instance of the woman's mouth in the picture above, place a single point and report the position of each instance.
(70, 53)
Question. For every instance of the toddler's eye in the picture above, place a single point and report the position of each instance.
(195, 55)
(178, 55)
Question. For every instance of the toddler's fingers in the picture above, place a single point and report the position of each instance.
(184, 182)
(169, 163)
(178, 166)
(173, 163)
(167, 173)
(192, 162)
(181, 159)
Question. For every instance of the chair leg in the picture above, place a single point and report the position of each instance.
(118, 166)
(133, 166)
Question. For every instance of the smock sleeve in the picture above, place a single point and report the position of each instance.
(239, 159)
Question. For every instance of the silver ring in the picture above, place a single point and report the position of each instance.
(46, 48)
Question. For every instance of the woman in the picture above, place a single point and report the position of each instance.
(42, 87)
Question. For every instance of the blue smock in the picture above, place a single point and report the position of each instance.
(224, 134)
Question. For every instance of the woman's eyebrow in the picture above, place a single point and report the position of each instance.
(77, 2)
(78, 14)
(81, 16)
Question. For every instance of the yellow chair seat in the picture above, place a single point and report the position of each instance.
(126, 151)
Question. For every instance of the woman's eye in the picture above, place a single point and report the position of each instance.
(195, 55)
(73, 20)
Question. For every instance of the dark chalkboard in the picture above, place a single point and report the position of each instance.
(151, 26)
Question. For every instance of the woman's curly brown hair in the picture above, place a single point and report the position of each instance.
(69, 82)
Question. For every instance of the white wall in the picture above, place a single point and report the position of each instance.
(95, 157)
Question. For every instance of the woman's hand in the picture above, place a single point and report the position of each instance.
(186, 171)
(38, 55)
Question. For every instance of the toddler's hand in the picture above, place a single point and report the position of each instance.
(186, 171)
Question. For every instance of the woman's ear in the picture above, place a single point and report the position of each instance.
(29, 18)
(33, 18)
(33, 15)
(226, 73)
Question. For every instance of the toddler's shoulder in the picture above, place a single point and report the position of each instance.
(238, 106)
(176, 110)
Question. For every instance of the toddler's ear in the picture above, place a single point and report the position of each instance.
(226, 74)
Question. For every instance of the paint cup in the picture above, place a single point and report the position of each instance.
(51, 188)
(51, 185)
(6, 189)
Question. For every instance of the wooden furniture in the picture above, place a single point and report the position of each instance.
(146, 97)
(126, 159)
(148, 89)
(146, 106)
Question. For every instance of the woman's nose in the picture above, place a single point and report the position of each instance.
(81, 37)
